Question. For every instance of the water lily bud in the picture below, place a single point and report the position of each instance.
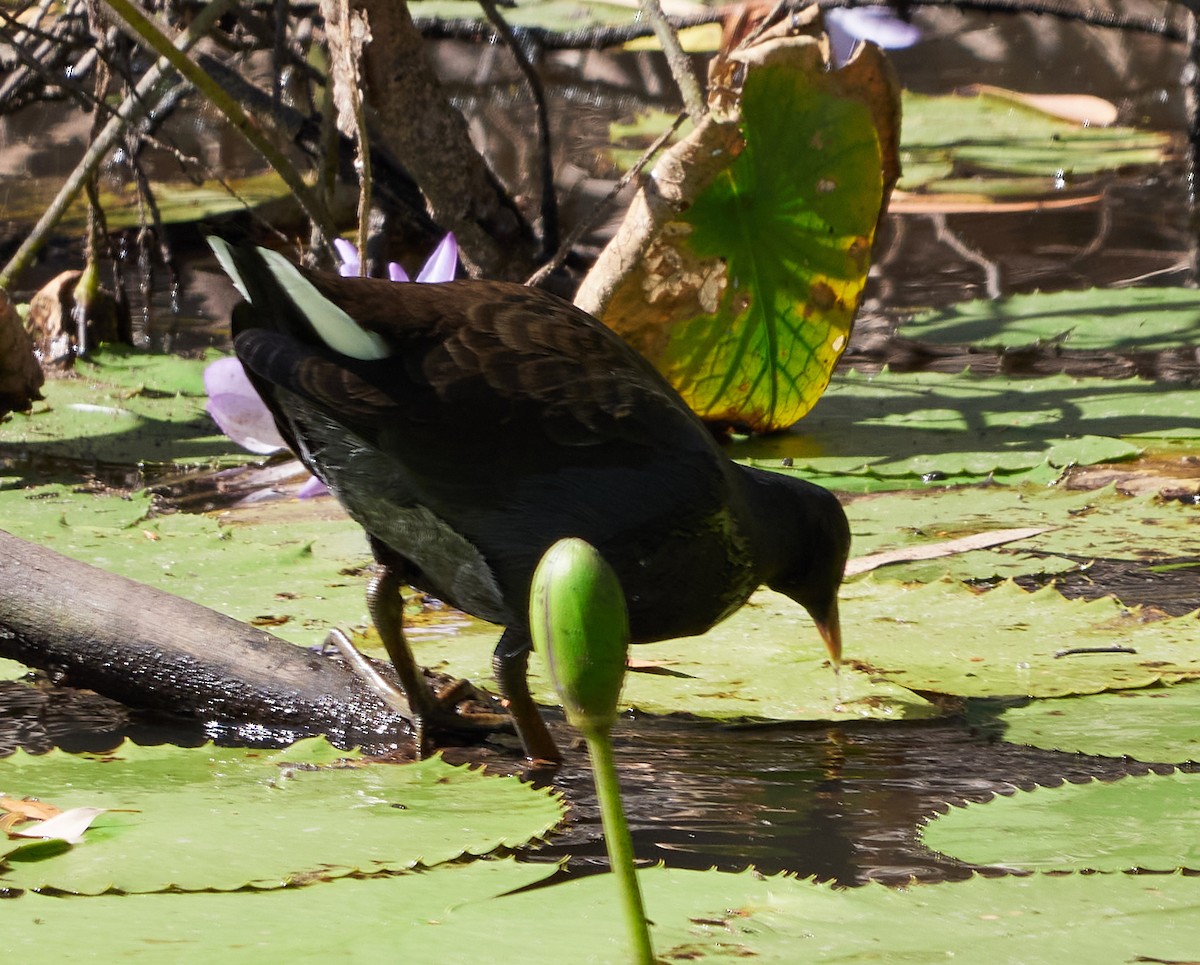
(579, 624)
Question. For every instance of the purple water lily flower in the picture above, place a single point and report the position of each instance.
(236, 408)
(234, 405)
(439, 266)
(880, 25)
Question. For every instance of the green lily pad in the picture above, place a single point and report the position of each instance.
(449, 913)
(1154, 724)
(703, 916)
(562, 15)
(991, 134)
(764, 662)
(913, 430)
(392, 918)
(296, 569)
(178, 202)
(1149, 822)
(944, 638)
(1126, 320)
(749, 332)
(221, 818)
(11, 670)
(128, 408)
(1084, 525)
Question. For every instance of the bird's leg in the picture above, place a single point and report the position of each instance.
(510, 663)
(428, 710)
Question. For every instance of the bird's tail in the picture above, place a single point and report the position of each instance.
(281, 298)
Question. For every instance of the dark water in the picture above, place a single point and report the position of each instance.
(841, 803)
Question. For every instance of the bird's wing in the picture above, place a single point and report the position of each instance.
(448, 355)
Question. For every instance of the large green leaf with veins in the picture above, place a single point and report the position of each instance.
(753, 289)
(1150, 822)
(223, 818)
(793, 218)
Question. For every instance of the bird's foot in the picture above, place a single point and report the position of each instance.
(462, 708)
(459, 708)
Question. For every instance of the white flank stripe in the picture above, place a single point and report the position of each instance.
(337, 329)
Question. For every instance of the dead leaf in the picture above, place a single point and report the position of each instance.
(930, 551)
(67, 826)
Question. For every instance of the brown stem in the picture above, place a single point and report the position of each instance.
(417, 123)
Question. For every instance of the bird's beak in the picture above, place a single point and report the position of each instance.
(830, 629)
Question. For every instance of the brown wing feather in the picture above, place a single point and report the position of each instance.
(483, 346)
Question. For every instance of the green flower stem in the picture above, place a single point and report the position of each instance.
(620, 844)
(580, 625)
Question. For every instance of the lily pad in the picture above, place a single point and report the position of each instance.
(11, 670)
(296, 569)
(563, 15)
(944, 638)
(1084, 525)
(749, 332)
(126, 408)
(448, 913)
(221, 818)
(178, 202)
(914, 430)
(1124, 320)
(705, 916)
(392, 918)
(988, 133)
(1154, 724)
(1148, 822)
(764, 662)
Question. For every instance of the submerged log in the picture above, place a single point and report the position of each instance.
(150, 650)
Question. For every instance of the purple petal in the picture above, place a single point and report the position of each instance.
(351, 265)
(227, 375)
(880, 25)
(246, 421)
(313, 487)
(396, 273)
(443, 263)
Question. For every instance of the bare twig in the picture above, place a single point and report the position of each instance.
(103, 143)
(681, 66)
(593, 216)
(148, 34)
(549, 203)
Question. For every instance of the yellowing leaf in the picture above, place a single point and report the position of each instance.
(745, 300)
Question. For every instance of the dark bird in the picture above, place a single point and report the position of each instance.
(467, 426)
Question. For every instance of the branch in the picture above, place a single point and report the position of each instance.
(148, 35)
(429, 137)
(681, 67)
(103, 144)
(549, 198)
(151, 650)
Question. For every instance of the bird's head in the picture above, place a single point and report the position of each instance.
(810, 542)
